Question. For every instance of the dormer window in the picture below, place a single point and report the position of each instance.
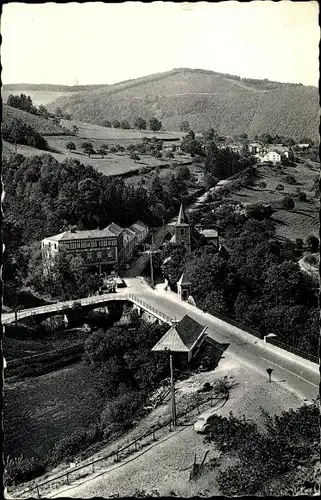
(182, 231)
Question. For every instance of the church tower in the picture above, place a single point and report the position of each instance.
(183, 230)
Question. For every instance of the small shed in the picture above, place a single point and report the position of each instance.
(184, 287)
(185, 336)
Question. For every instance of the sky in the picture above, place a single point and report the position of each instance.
(95, 43)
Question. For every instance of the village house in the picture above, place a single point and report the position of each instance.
(103, 249)
(255, 147)
(199, 176)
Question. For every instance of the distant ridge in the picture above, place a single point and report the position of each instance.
(230, 104)
(51, 88)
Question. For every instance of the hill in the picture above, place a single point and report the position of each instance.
(206, 99)
(39, 124)
(44, 93)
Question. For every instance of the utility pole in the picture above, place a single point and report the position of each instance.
(151, 262)
(172, 390)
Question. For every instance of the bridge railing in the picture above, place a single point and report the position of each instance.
(97, 300)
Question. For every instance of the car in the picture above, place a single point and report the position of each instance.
(203, 423)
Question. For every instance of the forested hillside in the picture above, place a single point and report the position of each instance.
(206, 99)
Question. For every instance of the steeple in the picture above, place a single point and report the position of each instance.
(182, 217)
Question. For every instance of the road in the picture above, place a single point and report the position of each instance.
(251, 351)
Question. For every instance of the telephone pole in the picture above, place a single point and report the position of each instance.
(151, 262)
(172, 390)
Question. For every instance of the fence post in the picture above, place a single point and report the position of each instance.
(154, 439)
(67, 478)
(93, 466)
(38, 493)
(170, 425)
(135, 445)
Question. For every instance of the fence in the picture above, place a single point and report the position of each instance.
(96, 300)
(44, 356)
(235, 323)
(294, 350)
(117, 454)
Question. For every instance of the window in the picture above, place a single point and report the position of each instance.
(182, 232)
(89, 256)
(55, 245)
(99, 255)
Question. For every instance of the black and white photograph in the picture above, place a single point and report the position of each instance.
(160, 197)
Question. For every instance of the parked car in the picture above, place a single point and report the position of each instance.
(203, 423)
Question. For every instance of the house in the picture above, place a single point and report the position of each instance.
(304, 145)
(168, 147)
(130, 243)
(185, 336)
(255, 147)
(101, 248)
(199, 176)
(141, 231)
(272, 156)
(191, 236)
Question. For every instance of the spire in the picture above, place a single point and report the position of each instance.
(182, 217)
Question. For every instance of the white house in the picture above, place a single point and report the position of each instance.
(272, 156)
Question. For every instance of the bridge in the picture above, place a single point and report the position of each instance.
(94, 302)
(291, 371)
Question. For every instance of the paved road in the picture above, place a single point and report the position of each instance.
(249, 350)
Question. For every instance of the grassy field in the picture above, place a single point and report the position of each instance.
(90, 131)
(41, 125)
(40, 411)
(15, 347)
(300, 222)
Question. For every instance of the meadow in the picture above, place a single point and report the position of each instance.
(300, 222)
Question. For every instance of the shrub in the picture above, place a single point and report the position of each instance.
(113, 149)
(288, 203)
(21, 469)
(135, 156)
(262, 185)
(312, 243)
(123, 409)
(290, 179)
(71, 146)
(302, 196)
(280, 187)
(299, 243)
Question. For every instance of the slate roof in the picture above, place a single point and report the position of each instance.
(114, 228)
(183, 280)
(181, 337)
(82, 235)
(209, 233)
(182, 219)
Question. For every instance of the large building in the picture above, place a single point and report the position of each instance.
(192, 236)
(103, 249)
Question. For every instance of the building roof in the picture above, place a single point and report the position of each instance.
(114, 228)
(209, 233)
(182, 219)
(181, 337)
(183, 280)
(82, 235)
(141, 224)
(129, 232)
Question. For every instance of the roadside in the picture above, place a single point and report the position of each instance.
(166, 464)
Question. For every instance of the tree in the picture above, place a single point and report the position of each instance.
(288, 202)
(312, 243)
(42, 111)
(88, 148)
(209, 135)
(71, 146)
(185, 126)
(125, 124)
(106, 123)
(155, 124)
(116, 124)
(75, 129)
(102, 151)
(140, 123)
(183, 172)
(59, 113)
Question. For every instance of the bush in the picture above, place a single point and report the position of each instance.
(262, 185)
(299, 243)
(312, 243)
(71, 146)
(290, 179)
(288, 203)
(113, 149)
(135, 157)
(69, 447)
(123, 409)
(280, 187)
(302, 196)
(21, 469)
